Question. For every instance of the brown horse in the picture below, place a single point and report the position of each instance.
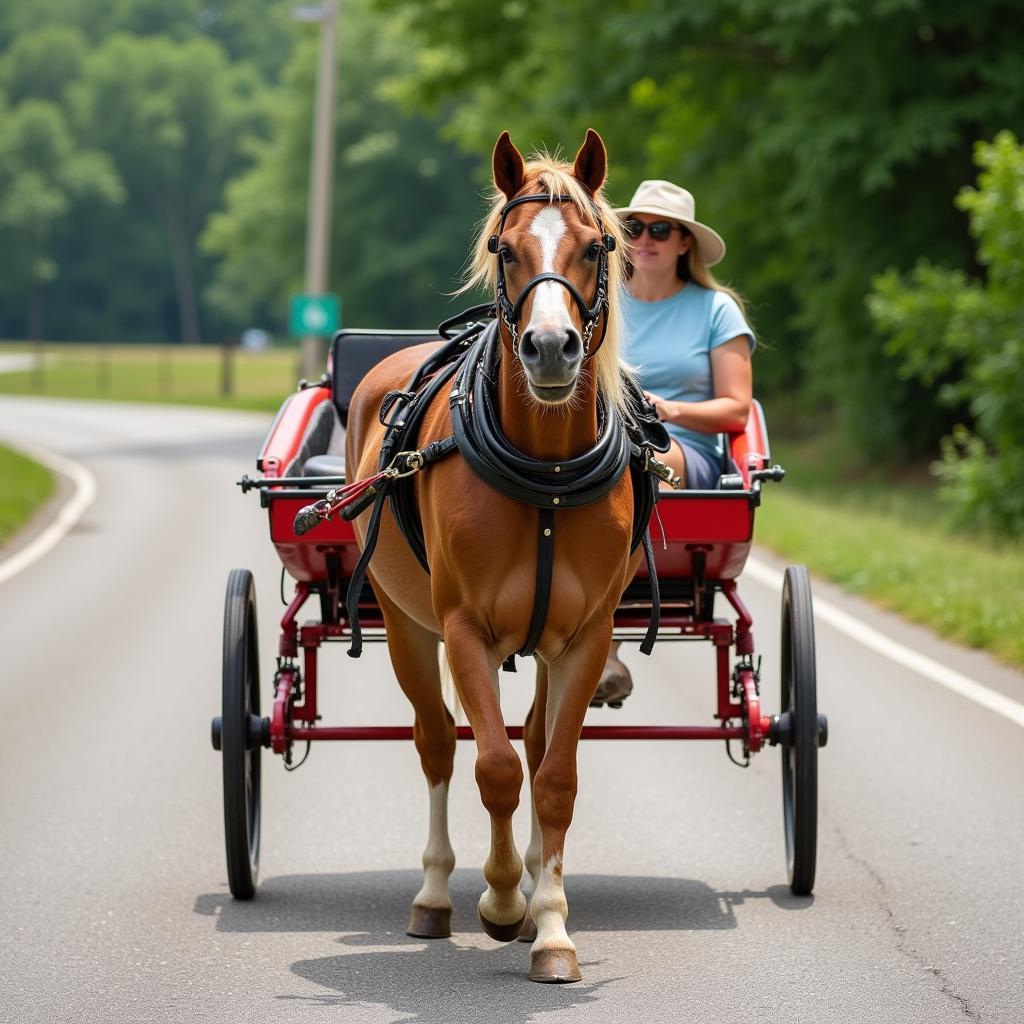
(482, 546)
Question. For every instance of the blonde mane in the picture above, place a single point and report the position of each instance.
(545, 174)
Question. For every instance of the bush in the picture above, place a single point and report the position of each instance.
(944, 324)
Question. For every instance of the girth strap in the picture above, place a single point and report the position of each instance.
(542, 593)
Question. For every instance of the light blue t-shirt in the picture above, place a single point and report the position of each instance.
(669, 342)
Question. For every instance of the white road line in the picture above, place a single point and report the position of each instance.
(878, 642)
(67, 515)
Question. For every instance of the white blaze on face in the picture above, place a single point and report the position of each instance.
(549, 302)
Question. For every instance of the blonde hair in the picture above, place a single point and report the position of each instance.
(691, 267)
(547, 174)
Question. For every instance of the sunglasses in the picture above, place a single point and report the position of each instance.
(659, 230)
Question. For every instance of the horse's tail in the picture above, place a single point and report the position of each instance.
(448, 692)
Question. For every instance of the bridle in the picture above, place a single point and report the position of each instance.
(590, 314)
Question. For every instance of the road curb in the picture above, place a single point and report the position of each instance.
(68, 512)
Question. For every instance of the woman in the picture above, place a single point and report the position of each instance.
(689, 340)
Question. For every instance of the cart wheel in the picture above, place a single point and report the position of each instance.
(240, 735)
(799, 706)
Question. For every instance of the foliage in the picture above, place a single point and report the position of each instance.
(251, 30)
(42, 173)
(175, 117)
(404, 204)
(821, 136)
(943, 323)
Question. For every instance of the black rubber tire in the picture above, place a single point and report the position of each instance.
(241, 698)
(799, 761)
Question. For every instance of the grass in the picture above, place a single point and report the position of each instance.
(179, 374)
(27, 485)
(888, 540)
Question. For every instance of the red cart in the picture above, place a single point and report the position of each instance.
(707, 537)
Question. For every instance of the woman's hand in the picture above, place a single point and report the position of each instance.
(661, 406)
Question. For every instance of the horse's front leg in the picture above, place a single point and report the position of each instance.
(572, 680)
(534, 741)
(499, 774)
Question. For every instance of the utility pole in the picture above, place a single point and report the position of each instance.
(318, 226)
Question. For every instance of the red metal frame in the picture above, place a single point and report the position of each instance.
(293, 719)
(705, 534)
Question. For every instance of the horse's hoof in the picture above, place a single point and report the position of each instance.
(554, 966)
(529, 932)
(615, 686)
(430, 922)
(503, 932)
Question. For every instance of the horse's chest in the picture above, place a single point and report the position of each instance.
(484, 561)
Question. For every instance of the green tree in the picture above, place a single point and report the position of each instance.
(822, 136)
(42, 175)
(256, 31)
(177, 119)
(970, 331)
(404, 201)
(41, 64)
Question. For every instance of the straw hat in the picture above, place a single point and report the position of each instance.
(663, 199)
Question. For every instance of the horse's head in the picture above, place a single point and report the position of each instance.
(549, 248)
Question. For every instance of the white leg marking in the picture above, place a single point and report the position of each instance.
(549, 305)
(550, 909)
(438, 857)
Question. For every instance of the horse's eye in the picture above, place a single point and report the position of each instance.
(593, 251)
(506, 255)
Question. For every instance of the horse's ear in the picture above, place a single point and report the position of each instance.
(591, 164)
(509, 169)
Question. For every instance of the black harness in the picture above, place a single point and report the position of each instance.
(470, 361)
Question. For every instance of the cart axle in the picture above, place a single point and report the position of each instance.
(780, 731)
(257, 732)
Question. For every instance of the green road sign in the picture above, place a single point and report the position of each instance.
(316, 315)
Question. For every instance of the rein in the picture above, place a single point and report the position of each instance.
(590, 315)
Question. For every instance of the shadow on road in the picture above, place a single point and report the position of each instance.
(376, 903)
(443, 980)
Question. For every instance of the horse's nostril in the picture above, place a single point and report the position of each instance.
(573, 346)
(527, 348)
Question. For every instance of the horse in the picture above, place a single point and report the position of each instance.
(550, 239)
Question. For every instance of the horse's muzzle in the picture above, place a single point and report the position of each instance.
(551, 360)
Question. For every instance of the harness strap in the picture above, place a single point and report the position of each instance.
(405, 464)
(647, 644)
(542, 593)
(355, 584)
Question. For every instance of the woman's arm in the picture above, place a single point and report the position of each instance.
(728, 410)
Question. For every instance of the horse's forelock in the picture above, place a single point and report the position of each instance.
(545, 174)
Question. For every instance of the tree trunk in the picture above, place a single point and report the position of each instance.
(184, 286)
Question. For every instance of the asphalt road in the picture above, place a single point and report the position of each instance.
(113, 895)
